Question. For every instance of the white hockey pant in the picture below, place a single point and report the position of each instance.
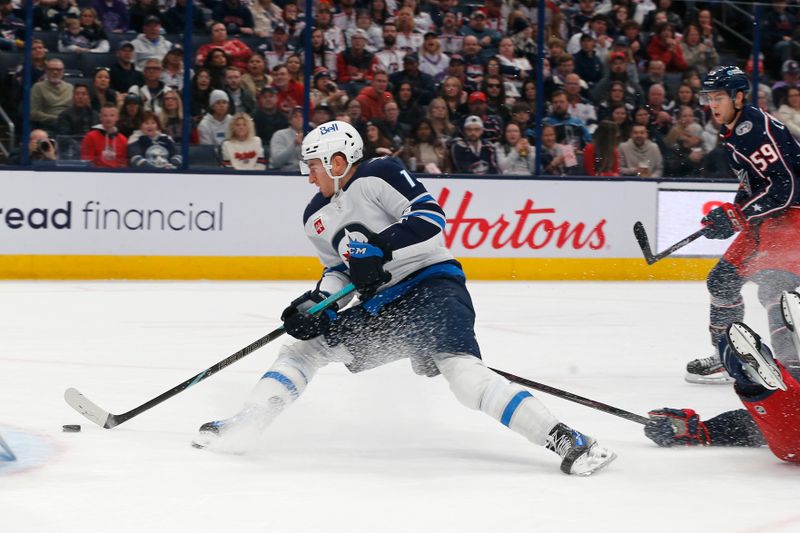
(477, 387)
(294, 368)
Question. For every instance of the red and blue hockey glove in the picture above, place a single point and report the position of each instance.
(723, 221)
(676, 427)
(300, 324)
(366, 264)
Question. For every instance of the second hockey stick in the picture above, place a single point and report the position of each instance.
(616, 411)
(644, 243)
(103, 418)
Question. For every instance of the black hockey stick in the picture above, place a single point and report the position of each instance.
(101, 417)
(644, 243)
(616, 411)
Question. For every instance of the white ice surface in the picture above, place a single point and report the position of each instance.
(382, 451)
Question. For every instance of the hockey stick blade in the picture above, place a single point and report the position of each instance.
(616, 411)
(644, 243)
(103, 418)
(89, 409)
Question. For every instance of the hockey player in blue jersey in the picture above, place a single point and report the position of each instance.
(765, 214)
(374, 225)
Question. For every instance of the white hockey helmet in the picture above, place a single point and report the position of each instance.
(328, 139)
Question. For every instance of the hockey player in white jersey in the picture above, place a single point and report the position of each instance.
(374, 225)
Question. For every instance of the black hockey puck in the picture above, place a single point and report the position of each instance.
(71, 428)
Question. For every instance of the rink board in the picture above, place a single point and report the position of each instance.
(93, 225)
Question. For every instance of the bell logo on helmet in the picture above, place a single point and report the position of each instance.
(328, 129)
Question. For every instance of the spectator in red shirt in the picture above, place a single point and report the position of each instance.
(600, 157)
(236, 49)
(104, 146)
(373, 98)
(664, 46)
(290, 93)
(355, 64)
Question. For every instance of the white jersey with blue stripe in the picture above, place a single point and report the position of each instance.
(381, 197)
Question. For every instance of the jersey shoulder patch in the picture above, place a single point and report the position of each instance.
(316, 203)
(744, 127)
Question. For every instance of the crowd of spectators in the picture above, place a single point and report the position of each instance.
(446, 86)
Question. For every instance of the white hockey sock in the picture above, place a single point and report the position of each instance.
(281, 385)
(477, 387)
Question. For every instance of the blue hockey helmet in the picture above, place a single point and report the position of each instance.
(730, 79)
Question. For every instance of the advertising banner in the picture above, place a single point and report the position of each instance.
(679, 215)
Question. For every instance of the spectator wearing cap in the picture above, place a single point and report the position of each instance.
(789, 113)
(152, 90)
(374, 34)
(214, 127)
(409, 37)
(265, 16)
(241, 99)
(238, 51)
(285, 144)
(355, 64)
(472, 154)
(138, 10)
(150, 43)
(105, 146)
(325, 91)
(699, 55)
(174, 18)
(790, 77)
(597, 27)
(587, 65)
(345, 18)
(373, 97)
(423, 83)
(432, 60)
(491, 125)
(113, 15)
(665, 47)
(618, 71)
(452, 41)
(123, 71)
(50, 97)
(390, 58)
(457, 69)
(130, 114)
(290, 93)
(267, 118)
(488, 39)
(279, 49)
(569, 130)
(238, 19)
(621, 44)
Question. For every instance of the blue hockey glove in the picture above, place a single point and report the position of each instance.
(723, 221)
(675, 427)
(302, 325)
(366, 264)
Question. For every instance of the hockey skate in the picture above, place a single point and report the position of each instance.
(580, 454)
(757, 362)
(707, 371)
(236, 435)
